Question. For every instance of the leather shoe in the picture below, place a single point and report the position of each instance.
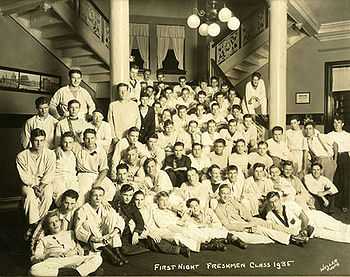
(298, 240)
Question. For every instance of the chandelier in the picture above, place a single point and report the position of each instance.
(211, 17)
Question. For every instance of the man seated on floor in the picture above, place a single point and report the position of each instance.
(100, 226)
(151, 234)
(65, 213)
(210, 136)
(59, 250)
(281, 185)
(36, 169)
(235, 182)
(203, 223)
(321, 188)
(177, 164)
(72, 123)
(124, 206)
(133, 161)
(103, 130)
(156, 180)
(132, 139)
(66, 172)
(93, 168)
(240, 221)
(232, 134)
(168, 137)
(311, 223)
(251, 132)
(153, 151)
(302, 197)
(169, 222)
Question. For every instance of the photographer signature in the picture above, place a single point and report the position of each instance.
(330, 266)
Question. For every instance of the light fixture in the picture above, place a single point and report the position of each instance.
(208, 21)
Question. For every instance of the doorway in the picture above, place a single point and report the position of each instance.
(337, 93)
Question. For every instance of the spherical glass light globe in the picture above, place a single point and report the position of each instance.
(203, 29)
(193, 21)
(225, 14)
(233, 23)
(213, 29)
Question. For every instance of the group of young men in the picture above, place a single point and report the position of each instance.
(174, 170)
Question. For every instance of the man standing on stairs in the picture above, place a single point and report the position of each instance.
(254, 101)
(59, 101)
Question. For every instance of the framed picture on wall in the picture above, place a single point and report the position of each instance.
(29, 81)
(49, 84)
(9, 78)
(302, 98)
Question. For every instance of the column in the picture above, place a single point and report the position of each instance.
(278, 63)
(119, 43)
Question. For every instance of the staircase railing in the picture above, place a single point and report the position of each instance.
(250, 27)
(94, 18)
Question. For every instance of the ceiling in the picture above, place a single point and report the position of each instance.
(327, 11)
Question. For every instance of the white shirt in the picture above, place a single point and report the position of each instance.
(296, 140)
(91, 161)
(278, 149)
(314, 186)
(342, 139)
(64, 95)
(259, 92)
(122, 115)
(47, 124)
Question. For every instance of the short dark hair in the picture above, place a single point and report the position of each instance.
(237, 107)
(182, 77)
(96, 188)
(72, 71)
(240, 140)
(193, 169)
(41, 101)
(220, 140)
(126, 188)
(168, 122)
(37, 132)
(309, 123)
(256, 74)
(247, 116)
(46, 219)
(138, 192)
(289, 163)
(210, 169)
(68, 134)
(232, 167)
(73, 101)
(262, 142)
(89, 131)
(122, 166)
(197, 144)
(272, 194)
(277, 128)
(317, 164)
(339, 118)
(120, 85)
(148, 161)
(189, 201)
(71, 194)
(133, 129)
(256, 165)
(179, 143)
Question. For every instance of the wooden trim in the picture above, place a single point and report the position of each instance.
(10, 203)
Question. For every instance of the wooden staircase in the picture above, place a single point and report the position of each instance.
(60, 27)
(254, 52)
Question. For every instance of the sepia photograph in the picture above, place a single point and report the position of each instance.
(175, 138)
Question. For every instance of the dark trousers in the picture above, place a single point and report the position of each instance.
(320, 206)
(163, 246)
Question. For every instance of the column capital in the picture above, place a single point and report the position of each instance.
(269, 2)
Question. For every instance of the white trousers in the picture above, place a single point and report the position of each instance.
(85, 184)
(35, 208)
(327, 227)
(61, 184)
(83, 264)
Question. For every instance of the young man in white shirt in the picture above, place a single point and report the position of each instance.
(92, 168)
(255, 96)
(118, 110)
(321, 188)
(61, 98)
(103, 130)
(73, 124)
(36, 169)
(42, 120)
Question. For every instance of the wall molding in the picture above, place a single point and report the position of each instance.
(334, 31)
(302, 14)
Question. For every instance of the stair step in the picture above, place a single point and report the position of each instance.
(56, 30)
(262, 52)
(67, 43)
(81, 61)
(252, 59)
(44, 20)
(76, 52)
(21, 6)
(99, 78)
(243, 68)
(93, 69)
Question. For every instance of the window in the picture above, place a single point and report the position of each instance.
(171, 48)
(137, 59)
(139, 44)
